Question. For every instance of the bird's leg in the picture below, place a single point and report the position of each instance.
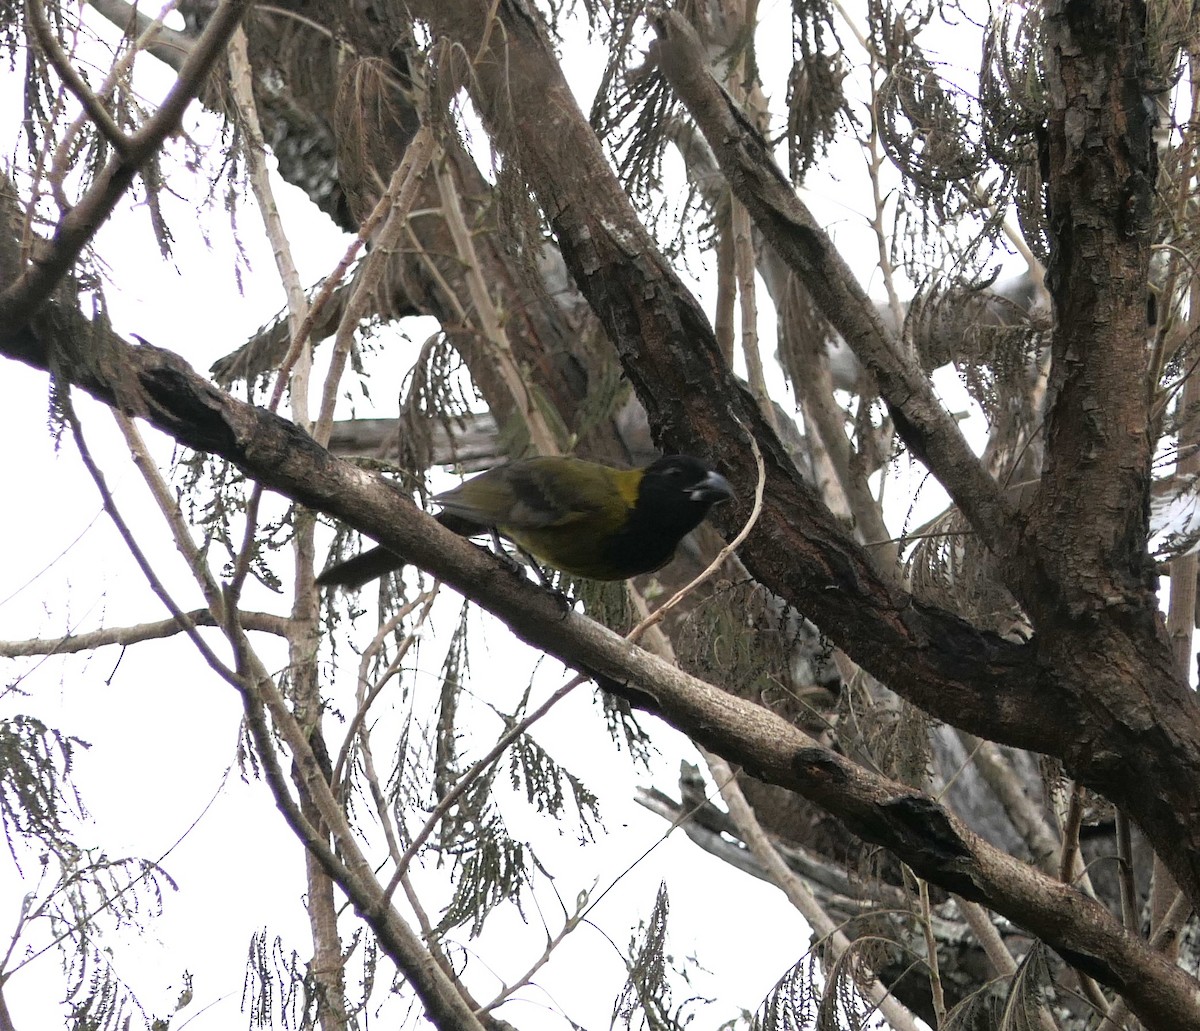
(565, 600)
(498, 548)
(543, 579)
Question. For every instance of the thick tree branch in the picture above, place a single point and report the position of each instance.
(935, 843)
(784, 220)
(1089, 519)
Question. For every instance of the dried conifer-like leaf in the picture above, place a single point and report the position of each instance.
(815, 100)
(435, 393)
(546, 784)
(646, 997)
(490, 868)
(36, 788)
(446, 767)
(948, 566)
(1012, 102)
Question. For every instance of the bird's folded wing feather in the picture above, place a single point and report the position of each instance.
(525, 498)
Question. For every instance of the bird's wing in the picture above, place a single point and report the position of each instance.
(544, 496)
(530, 495)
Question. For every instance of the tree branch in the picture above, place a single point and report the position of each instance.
(92, 104)
(790, 227)
(124, 636)
(20, 298)
(168, 45)
(935, 843)
(799, 894)
(1089, 519)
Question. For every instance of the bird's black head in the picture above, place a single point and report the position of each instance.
(673, 496)
(677, 491)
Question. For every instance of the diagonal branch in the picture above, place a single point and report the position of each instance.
(784, 220)
(441, 994)
(1090, 517)
(934, 842)
(92, 104)
(21, 298)
(799, 894)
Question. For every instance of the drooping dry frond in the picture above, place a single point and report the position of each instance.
(37, 792)
(819, 993)
(816, 102)
(1012, 102)
(948, 565)
(645, 1001)
(929, 127)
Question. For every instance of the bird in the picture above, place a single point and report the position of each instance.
(583, 518)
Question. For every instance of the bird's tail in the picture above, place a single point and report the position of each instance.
(360, 569)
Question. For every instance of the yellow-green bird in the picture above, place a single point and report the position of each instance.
(586, 519)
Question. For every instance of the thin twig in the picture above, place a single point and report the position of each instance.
(71, 78)
(468, 778)
(931, 957)
(139, 556)
(241, 81)
(744, 267)
(1129, 907)
(491, 326)
(169, 507)
(396, 205)
(1070, 834)
(367, 698)
(111, 899)
(572, 922)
